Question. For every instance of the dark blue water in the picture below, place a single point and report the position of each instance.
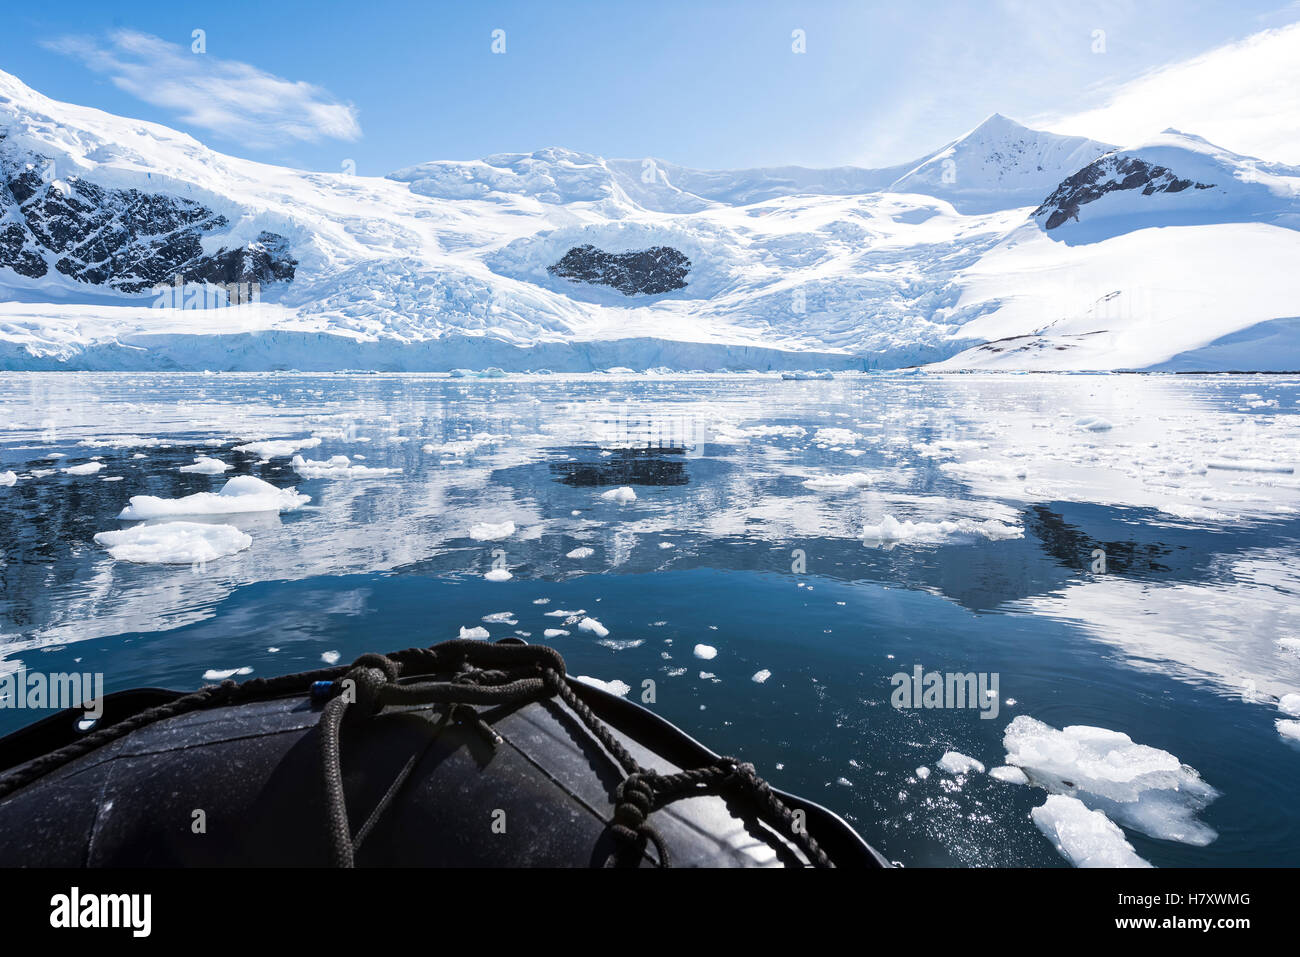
(1183, 642)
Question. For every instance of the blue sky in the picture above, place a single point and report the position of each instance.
(706, 83)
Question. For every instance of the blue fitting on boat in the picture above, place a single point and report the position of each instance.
(321, 690)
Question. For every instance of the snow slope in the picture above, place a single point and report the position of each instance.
(447, 264)
(1159, 256)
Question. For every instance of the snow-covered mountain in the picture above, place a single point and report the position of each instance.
(1077, 254)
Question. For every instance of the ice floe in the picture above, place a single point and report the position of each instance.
(593, 626)
(491, 532)
(87, 468)
(615, 687)
(622, 496)
(954, 762)
(837, 483)
(278, 448)
(1142, 787)
(707, 652)
(243, 493)
(1084, 837)
(174, 543)
(891, 531)
(336, 467)
(580, 552)
(203, 465)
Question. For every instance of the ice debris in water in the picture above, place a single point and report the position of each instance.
(922, 772)
(243, 493)
(476, 632)
(707, 652)
(1141, 787)
(1009, 774)
(221, 674)
(88, 468)
(622, 495)
(761, 676)
(1084, 837)
(838, 483)
(592, 625)
(330, 657)
(954, 762)
(498, 575)
(613, 687)
(174, 543)
(1288, 729)
(8, 478)
(581, 552)
(490, 532)
(203, 465)
(336, 467)
(277, 448)
(890, 530)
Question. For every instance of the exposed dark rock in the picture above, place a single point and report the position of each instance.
(125, 239)
(644, 272)
(1106, 175)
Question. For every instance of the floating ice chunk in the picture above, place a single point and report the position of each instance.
(1290, 644)
(707, 652)
(615, 687)
(216, 674)
(121, 442)
(555, 633)
(1084, 837)
(337, 467)
(954, 762)
(243, 493)
(622, 495)
(580, 552)
(1009, 774)
(835, 437)
(1250, 465)
(922, 772)
(1290, 704)
(564, 613)
(667, 545)
(87, 468)
(498, 575)
(595, 627)
(760, 676)
(203, 465)
(489, 532)
(477, 632)
(1092, 423)
(278, 448)
(174, 543)
(460, 447)
(8, 478)
(890, 530)
(838, 483)
(501, 618)
(616, 645)
(1142, 787)
(330, 657)
(1288, 729)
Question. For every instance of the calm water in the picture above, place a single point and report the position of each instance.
(1185, 642)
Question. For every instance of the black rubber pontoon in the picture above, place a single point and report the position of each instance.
(464, 754)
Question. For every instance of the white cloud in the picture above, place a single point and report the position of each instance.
(234, 99)
(1244, 97)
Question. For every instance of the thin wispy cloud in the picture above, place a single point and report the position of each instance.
(1244, 96)
(233, 99)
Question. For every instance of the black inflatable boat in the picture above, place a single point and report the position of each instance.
(467, 753)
